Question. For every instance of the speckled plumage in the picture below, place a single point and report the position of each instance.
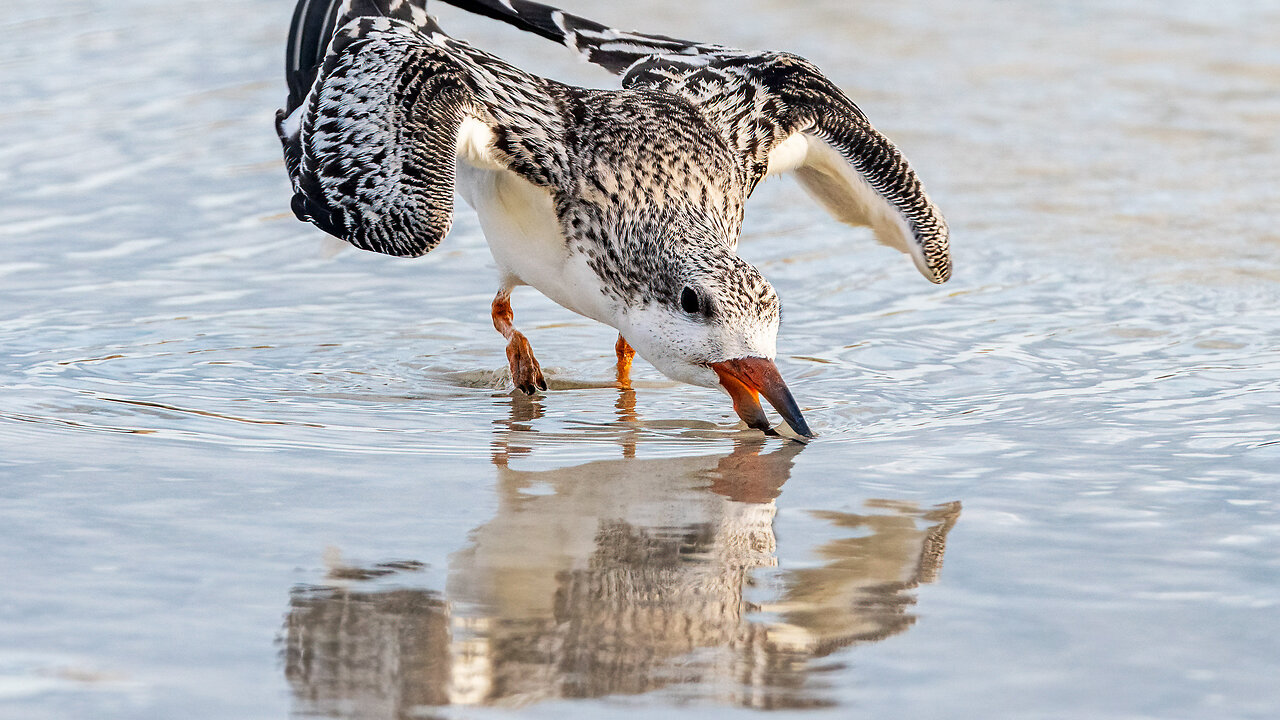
(668, 160)
(648, 183)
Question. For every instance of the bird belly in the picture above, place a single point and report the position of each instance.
(524, 236)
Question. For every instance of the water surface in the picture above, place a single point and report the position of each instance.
(243, 477)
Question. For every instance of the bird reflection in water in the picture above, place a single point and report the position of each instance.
(619, 577)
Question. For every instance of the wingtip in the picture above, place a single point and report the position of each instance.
(935, 275)
(936, 272)
(929, 253)
(928, 244)
(935, 257)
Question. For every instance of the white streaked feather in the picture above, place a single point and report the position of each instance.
(557, 17)
(606, 34)
(292, 125)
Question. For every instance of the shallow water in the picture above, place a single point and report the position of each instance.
(245, 478)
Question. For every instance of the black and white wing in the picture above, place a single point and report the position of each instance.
(382, 105)
(614, 50)
(780, 113)
(783, 115)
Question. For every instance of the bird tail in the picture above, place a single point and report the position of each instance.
(315, 21)
(614, 50)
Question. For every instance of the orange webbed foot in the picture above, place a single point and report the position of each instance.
(625, 355)
(525, 371)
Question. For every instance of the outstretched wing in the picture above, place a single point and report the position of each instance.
(784, 115)
(777, 110)
(371, 143)
(615, 50)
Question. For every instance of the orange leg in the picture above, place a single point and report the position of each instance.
(525, 371)
(625, 355)
(626, 404)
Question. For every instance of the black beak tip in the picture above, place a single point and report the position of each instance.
(801, 428)
(745, 379)
(787, 407)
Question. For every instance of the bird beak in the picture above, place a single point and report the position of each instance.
(746, 379)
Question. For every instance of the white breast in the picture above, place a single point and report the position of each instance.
(523, 232)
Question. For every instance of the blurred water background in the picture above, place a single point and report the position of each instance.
(243, 478)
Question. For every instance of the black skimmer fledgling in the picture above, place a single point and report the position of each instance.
(621, 205)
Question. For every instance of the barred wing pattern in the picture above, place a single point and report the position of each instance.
(372, 146)
(777, 110)
(782, 114)
(615, 50)
(379, 171)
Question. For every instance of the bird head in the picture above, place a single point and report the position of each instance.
(714, 323)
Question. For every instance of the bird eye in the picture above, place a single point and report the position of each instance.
(690, 302)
